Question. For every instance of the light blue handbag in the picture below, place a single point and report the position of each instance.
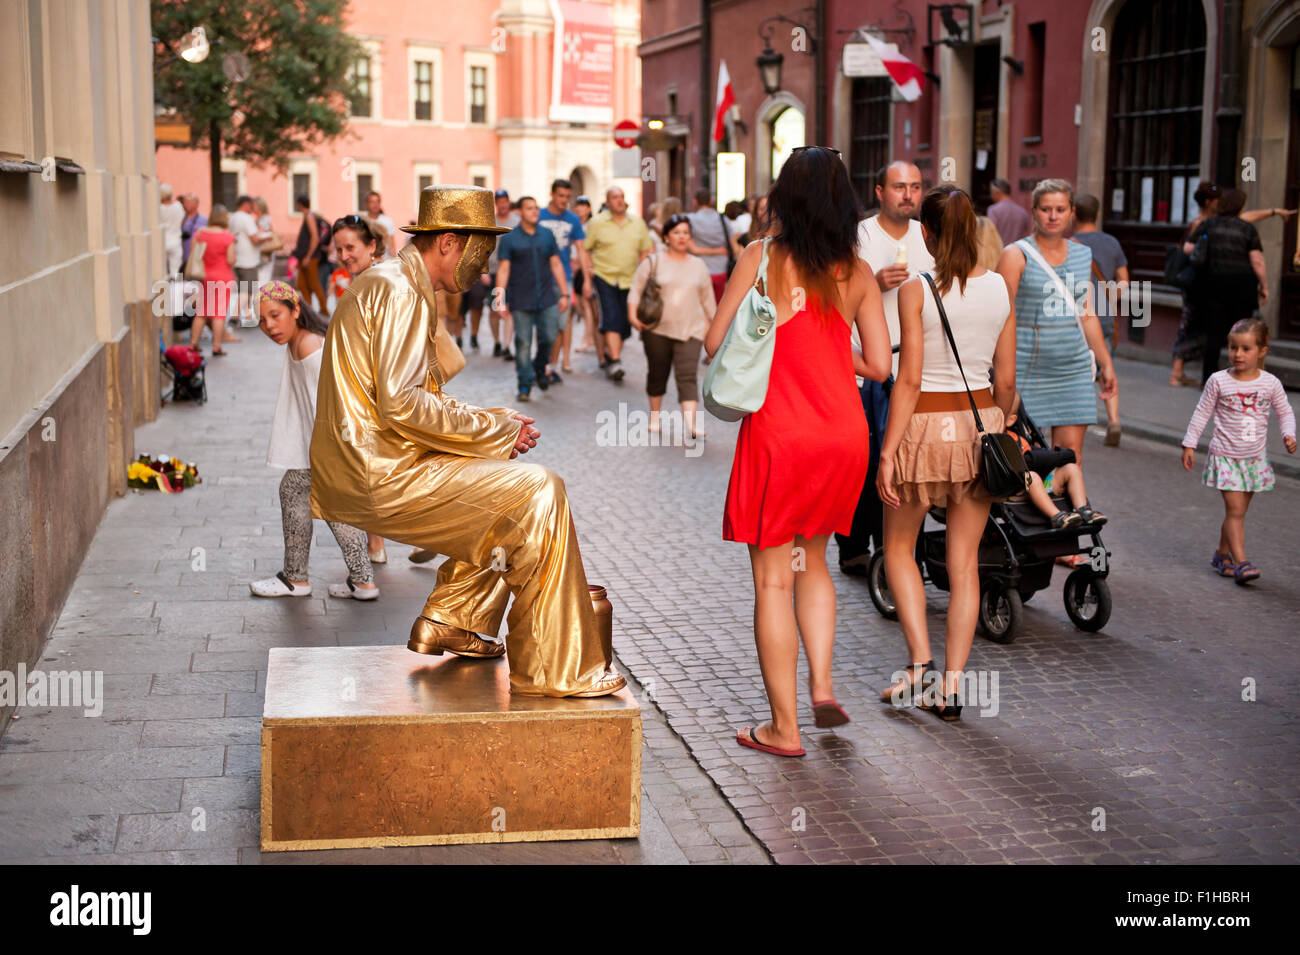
(736, 381)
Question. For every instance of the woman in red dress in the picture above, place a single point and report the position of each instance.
(801, 459)
(218, 280)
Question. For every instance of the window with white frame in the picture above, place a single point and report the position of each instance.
(302, 181)
(232, 182)
(481, 174)
(425, 73)
(426, 174)
(367, 180)
(362, 95)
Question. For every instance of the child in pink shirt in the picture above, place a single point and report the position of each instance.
(1239, 398)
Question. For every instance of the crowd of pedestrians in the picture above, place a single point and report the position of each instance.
(899, 340)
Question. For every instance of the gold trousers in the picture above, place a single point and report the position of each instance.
(508, 530)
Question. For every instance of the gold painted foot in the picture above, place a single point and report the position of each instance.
(432, 637)
(612, 682)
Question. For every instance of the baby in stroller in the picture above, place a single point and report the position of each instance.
(1054, 472)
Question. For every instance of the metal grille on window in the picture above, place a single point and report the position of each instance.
(478, 94)
(869, 131)
(361, 86)
(1154, 129)
(423, 90)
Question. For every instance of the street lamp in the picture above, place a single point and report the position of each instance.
(769, 68)
(194, 46)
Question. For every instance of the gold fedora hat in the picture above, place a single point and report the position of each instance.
(459, 208)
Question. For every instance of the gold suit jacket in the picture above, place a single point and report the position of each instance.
(381, 417)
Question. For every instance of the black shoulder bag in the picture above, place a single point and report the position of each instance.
(1002, 462)
(726, 240)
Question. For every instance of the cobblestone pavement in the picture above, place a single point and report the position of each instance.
(1141, 726)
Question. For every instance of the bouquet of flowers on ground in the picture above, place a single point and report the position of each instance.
(164, 474)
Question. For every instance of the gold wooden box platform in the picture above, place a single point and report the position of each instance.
(380, 746)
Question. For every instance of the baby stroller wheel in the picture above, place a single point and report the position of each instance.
(1000, 612)
(878, 587)
(1087, 600)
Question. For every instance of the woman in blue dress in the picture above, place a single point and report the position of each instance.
(1057, 338)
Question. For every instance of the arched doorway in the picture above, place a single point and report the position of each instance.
(584, 184)
(787, 132)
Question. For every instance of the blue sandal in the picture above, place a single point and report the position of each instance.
(1222, 563)
(1245, 572)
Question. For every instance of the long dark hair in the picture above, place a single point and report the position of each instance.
(949, 217)
(817, 211)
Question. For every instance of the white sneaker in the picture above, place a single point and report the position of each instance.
(279, 586)
(349, 589)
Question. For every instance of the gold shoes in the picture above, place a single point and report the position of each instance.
(612, 682)
(429, 636)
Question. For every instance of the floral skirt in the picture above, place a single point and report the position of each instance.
(1238, 474)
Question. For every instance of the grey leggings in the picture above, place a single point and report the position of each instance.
(295, 515)
(664, 355)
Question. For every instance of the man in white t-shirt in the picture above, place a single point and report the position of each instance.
(170, 217)
(248, 257)
(375, 212)
(891, 243)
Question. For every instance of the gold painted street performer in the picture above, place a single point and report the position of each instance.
(392, 453)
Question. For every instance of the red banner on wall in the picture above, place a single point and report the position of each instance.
(582, 71)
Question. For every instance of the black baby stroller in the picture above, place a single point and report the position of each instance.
(1016, 555)
(186, 367)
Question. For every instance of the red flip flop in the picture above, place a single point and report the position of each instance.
(747, 738)
(828, 713)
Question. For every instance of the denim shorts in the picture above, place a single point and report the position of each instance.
(613, 308)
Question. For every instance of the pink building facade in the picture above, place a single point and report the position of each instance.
(459, 93)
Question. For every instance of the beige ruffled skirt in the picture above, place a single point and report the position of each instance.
(938, 461)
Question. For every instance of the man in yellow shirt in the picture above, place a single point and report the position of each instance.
(617, 241)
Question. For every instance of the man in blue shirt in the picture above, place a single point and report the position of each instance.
(526, 291)
(569, 236)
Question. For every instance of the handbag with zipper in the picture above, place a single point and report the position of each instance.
(1002, 463)
(650, 309)
(736, 382)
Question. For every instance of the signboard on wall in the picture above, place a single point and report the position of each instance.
(582, 66)
(731, 178)
(861, 59)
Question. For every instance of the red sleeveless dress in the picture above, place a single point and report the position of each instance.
(801, 459)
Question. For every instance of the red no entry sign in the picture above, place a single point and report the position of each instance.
(625, 134)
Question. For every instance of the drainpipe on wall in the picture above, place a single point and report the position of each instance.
(1228, 115)
(819, 64)
(706, 103)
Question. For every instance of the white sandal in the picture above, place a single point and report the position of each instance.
(378, 557)
(279, 586)
(349, 589)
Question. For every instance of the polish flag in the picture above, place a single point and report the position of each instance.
(907, 76)
(726, 100)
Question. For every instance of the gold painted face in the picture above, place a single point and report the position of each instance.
(474, 259)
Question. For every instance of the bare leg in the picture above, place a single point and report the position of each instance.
(901, 527)
(966, 522)
(656, 404)
(1232, 536)
(218, 335)
(196, 331)
(777, 640)
(1070, 436)
(688, 418)
(814, 608)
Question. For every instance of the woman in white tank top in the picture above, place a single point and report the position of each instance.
(288, 320)
(930, 455)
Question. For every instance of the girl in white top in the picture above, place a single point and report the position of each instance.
(287, 320)
(930, 455)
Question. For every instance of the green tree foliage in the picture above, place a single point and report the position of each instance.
(298, 85)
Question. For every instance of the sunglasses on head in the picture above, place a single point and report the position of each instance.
(829, 149)
(674, 221)
(352, 220)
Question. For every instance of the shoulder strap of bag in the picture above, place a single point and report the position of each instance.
(1028, 248)
(761, 275)
(947, 329)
